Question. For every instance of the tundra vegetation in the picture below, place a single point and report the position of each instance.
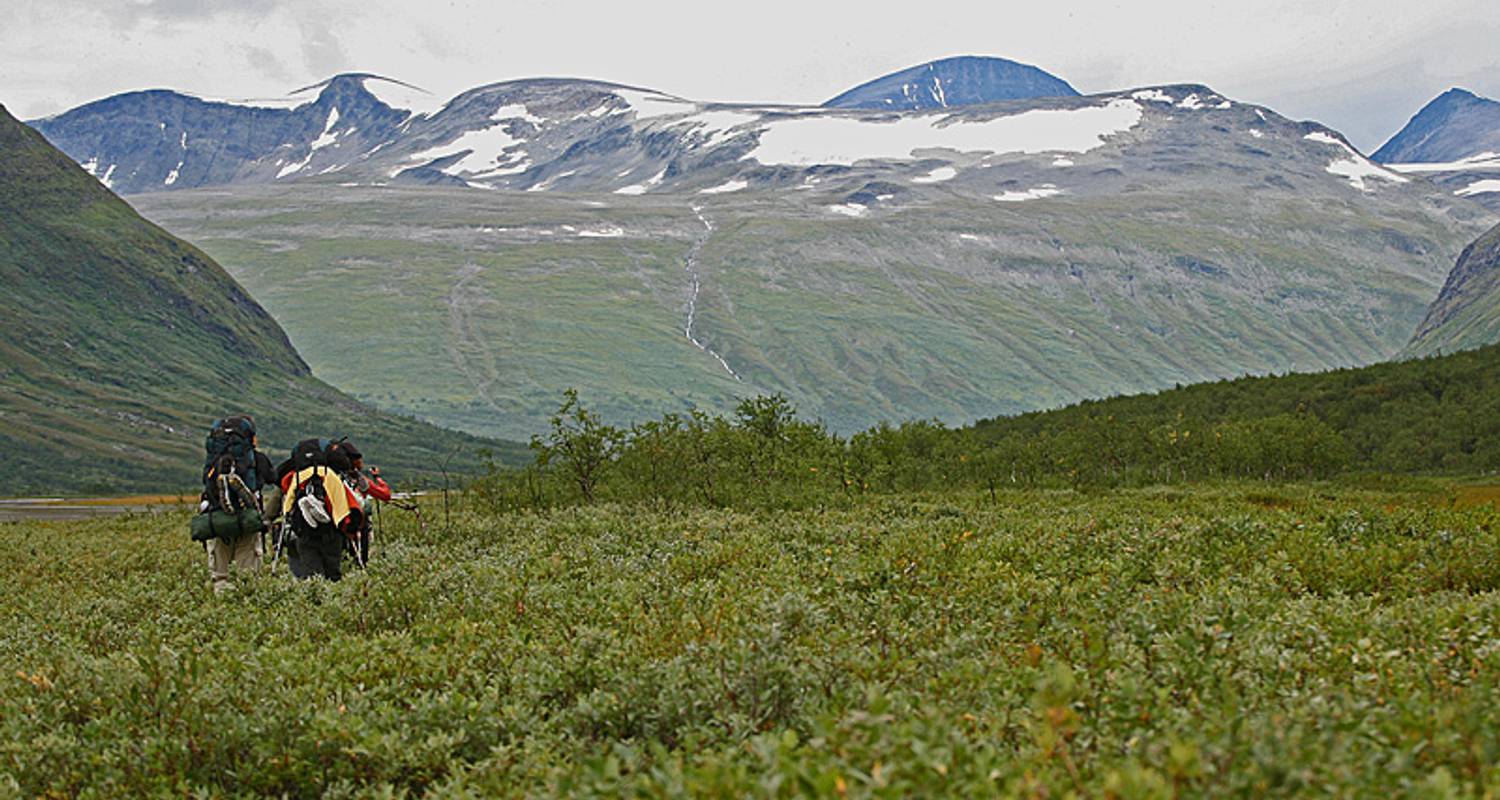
(1235, 638)
(1222, 590)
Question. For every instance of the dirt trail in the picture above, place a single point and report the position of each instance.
(461, 302)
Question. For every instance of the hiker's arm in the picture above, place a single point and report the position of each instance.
(378, 488)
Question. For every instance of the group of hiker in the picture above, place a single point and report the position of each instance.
(317, 505)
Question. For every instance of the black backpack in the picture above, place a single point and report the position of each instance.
(229, 451)
(337, 457)
(307, 453)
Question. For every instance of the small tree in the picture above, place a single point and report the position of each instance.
(580, 442)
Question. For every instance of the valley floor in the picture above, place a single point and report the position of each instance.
(1240, 639)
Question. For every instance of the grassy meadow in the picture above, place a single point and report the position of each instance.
(1226, 639)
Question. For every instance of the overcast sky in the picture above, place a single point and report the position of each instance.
(1362, 67)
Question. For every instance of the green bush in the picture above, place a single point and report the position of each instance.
(1227, 640)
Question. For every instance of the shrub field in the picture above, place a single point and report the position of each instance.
(1230, 639)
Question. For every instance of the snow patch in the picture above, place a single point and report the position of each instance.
(850, 210)
(291, 168)
(723, 188)
(1062, 161)
(485, 152)
(1154, 96)
(642, 188)
(716, 125)
(937, 176)
(1479, 187)
(1356, 170)
(105, 178)
(328, 137)
(1257, 134)
(547, 184)
(831, 139)
(1355, 167)
(1191, 102)
(1045, 190)
(404, 96)
(511, 168)
(1482, 161)
(515, 111)
(607, 232)
(648, 105)
(172, 176)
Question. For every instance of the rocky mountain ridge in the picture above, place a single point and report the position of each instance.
(1466, 313)
(586, 136)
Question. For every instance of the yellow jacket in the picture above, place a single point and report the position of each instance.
(339, 498)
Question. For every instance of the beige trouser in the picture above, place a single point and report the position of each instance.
(244, 553)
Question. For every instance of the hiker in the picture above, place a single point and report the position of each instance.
(320, 510)
(229, 522)
(369, 487)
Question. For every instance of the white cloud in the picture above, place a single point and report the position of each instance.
(1320, 61)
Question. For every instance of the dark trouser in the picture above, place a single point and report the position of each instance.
(318, 553)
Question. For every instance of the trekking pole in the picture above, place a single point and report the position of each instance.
(278, 540)
(414, 510)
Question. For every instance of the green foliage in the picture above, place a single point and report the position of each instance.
(1429, 416)
(582, 444)
(123, 343)
(1238, 640)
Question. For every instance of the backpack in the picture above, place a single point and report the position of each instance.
(337, 458)
(309, 508)
(229, 467)
(307, 453)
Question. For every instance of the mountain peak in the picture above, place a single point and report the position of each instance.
(1456, 93)
(1454, 125)
(395, 94)
(350, 80)
(954, 81)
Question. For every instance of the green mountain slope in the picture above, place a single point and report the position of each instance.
(1426, 415)
(489, 304)
(122, 343)
(1467, 310)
